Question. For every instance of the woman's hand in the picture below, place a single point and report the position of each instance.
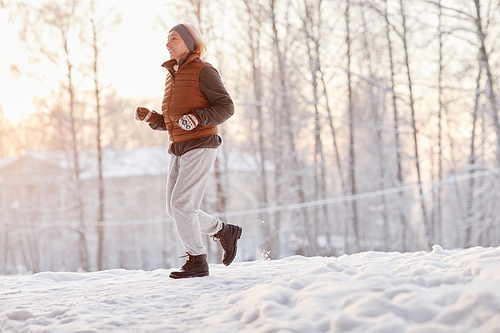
(188, 122)
(142, 113)
(149, 116)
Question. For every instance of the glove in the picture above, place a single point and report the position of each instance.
(144, 114)
(188, 122)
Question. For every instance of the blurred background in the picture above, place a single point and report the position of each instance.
(359, 125)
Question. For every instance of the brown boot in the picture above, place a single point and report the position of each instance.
(195, 266)
(228, 237)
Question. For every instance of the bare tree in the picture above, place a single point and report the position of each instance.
(312, 25)
(397, 140)
(59, 21)
(475, 22)
(97, 96)
(377, 113)
(255, 17)
(286, 149)
(439, 211)
(472, 159)
(404, 38)
(99, 27)
(484, 61)
(483, 64)
(352, 155)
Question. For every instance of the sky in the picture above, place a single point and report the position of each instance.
(441, 291)
(132, 57)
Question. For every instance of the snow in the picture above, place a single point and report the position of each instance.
(416, 292)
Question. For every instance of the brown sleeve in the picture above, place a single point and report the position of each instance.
(221, 105)
(157, 122)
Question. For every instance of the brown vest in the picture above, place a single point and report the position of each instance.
(182, 96)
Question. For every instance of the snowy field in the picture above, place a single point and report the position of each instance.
(432, 292)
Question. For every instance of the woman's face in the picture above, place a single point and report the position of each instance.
(176, 46)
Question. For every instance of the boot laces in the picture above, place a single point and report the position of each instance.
(188, 262)
(221, 239)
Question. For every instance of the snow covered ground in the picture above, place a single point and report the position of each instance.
(439, 291)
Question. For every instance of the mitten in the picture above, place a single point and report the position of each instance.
(188, 122)
(144, 114)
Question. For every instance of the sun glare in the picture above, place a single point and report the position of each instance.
(135, 46)
(15, 102)
(16, 95)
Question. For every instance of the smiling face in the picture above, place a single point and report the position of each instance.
(176, 46)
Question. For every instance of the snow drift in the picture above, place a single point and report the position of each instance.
(439, 291)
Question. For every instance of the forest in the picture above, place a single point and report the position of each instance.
(374, 123)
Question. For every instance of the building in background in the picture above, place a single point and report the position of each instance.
(41, 223)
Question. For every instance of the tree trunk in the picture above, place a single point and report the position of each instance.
(352, 161)
(439, 217)
(379, 141)
(285, 115)
(472, 162)
(74, 148)
(484, 61)
(254, 30)
(100, 180)
(398, 149)
(428, 235)
(321, 216)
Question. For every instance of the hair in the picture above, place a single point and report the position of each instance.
(201, 43)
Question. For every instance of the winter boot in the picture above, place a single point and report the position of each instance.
(195, 266)
(228, 237)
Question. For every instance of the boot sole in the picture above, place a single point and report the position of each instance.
(189, 276)
(238, 235)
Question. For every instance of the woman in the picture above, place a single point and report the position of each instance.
(194, 102)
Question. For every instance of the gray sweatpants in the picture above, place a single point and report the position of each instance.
(187, 181)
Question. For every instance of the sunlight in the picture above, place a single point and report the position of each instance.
(15, 95)
(16, 100)
(135, 46)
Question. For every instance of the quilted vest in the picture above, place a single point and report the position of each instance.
(182, 95)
